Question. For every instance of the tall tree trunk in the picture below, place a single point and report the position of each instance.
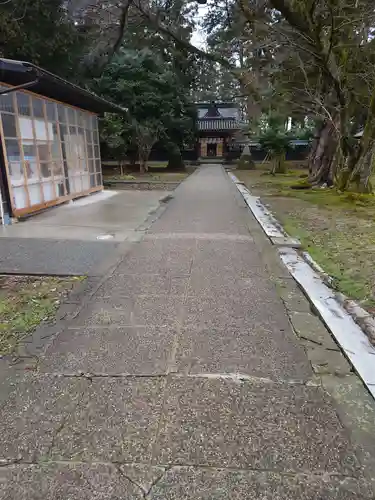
(322, 155)
(314, 147)
(366, 168)
(363, 161)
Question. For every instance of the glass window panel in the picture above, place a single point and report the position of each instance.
(61, 113)
(73, 129)
(93, 180)
(79, 118)
(87, 120)
(98, 166)
(85, 182)
(83, 165)
(96, 152)
(96, 137)
(40, 130)
(9, 124)
(23, 104)
(51, 110)
(48, 191)
(89, 137)
(43, 151)
(35, 193)
(57, 168)
(99, 179)
(16, 173)
(31, 165)
(26, 128)
(45, 170)
(19, 197)
(60, 187)
(64, 133)
(90, 151)
(55, 151)
(29, 150)
(71, 116)
(75, 184)
(37, 107)
(6, 103)
(12, 150)
(92, 166)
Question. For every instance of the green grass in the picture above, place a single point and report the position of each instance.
(25, 302)
(337, 229)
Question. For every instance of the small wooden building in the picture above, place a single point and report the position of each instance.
(49, 139)
(218, 123)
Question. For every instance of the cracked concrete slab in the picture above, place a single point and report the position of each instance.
(324, 361)
(291, 295)
(114, 421)
(278, 427)
(145, 477)
(34, 413)
(55, 481)
(312, 331)
(186, 375)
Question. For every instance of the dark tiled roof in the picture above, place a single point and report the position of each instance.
(218, 124)
(49, 85)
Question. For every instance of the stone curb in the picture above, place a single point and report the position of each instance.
(363, 319)
(357, 347)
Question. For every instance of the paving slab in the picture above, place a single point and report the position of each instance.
(167, 256)
(56, 257)
(111, 351)
(104, 312)
(255, 353)
(64, 240)
(115, 421)
(188, 374)
(247, 311)
(56, 481)
(142, 284)
(275, 427)
(33, 414)
(189, 483)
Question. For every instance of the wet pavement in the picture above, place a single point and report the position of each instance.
(79, 238)
(195, 370)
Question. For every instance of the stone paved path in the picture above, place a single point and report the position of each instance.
(183, 377)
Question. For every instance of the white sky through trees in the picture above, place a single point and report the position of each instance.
(199, 37)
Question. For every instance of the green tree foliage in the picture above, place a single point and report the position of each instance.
(41, 32)
(276, 140)
(158, 108)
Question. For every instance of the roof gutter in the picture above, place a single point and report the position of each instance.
(22, 86)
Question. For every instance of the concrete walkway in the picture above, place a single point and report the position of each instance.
(71, 239)
(183, 378)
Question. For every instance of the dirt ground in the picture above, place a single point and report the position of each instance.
(27, 301)
(337, 229)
